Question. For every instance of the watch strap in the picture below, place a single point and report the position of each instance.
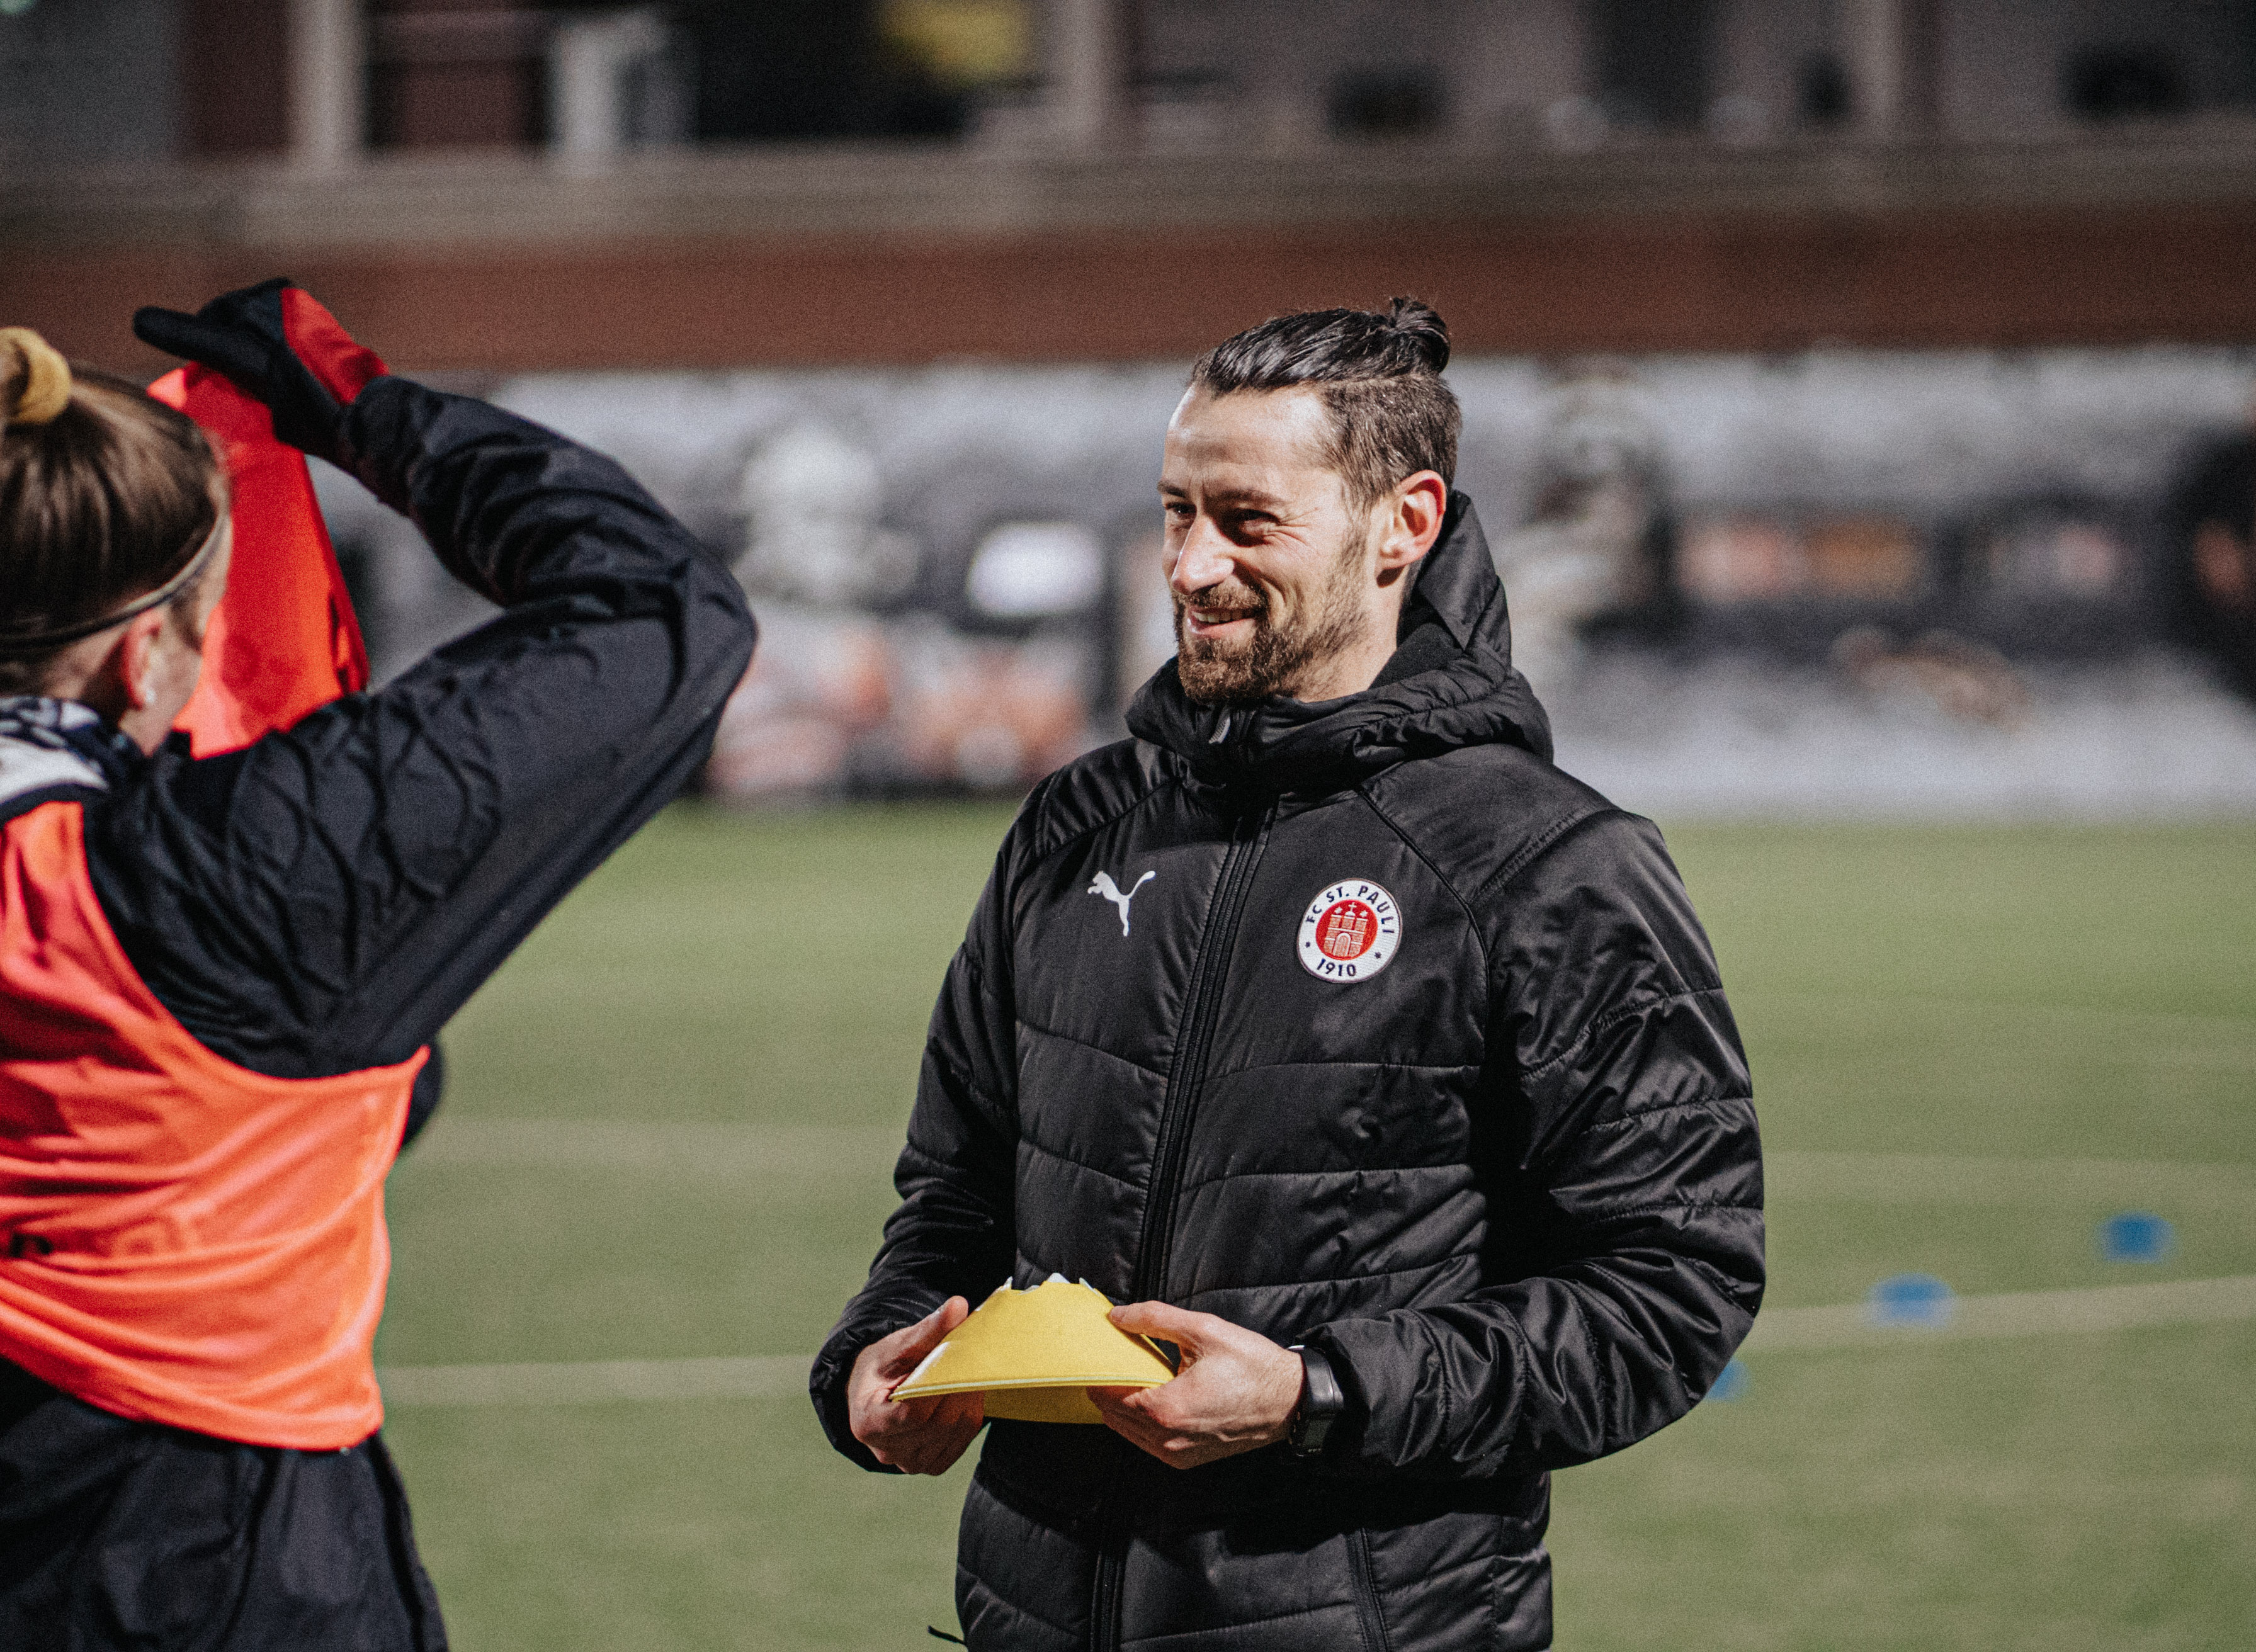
(1323, 1403)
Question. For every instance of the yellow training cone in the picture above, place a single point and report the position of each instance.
(1035, 1353)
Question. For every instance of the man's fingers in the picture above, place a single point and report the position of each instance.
(1130, 1413)
(1124, 1419)
(1155, 1439)
(940, 1411)
(920, 1436)
(931, 1434)
(920, 1340)
(1118, 1406)
(1164, 1320)
(964, 1413)
(875, 1417)
(900, 1354)
(1145, 1402)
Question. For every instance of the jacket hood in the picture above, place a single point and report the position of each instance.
(1449, 684)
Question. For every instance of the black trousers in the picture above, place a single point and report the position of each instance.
(116, 1534)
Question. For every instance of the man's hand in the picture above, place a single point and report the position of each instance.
(917, 1436)
(1235, 1391)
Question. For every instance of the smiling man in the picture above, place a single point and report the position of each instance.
(1361, 1055)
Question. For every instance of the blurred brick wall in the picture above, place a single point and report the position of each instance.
(1988, 279)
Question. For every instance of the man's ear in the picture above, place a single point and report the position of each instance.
(1412, 517)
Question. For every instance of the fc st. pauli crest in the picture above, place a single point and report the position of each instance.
(1349, 930)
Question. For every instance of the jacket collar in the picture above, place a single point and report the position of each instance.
(56, 736)
(1449, 684)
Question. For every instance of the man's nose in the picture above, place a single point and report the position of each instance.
(1203, 561)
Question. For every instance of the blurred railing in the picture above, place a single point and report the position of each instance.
(587, 187)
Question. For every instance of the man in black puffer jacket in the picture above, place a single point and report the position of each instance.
(1360, 1053)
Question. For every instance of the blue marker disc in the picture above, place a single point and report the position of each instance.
(2137, 1235)
(1732, 1385)
(1911, 1299)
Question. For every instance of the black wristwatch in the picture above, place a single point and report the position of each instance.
(1322, 1401)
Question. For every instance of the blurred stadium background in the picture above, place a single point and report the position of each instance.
(1859, 396)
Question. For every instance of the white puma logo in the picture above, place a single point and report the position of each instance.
(1111, 891)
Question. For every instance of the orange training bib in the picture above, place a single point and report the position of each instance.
(182, 1239)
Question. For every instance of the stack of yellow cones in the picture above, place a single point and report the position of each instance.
(1036, 1354)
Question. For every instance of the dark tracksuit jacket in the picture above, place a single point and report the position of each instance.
(321, 903)
(1505, 1173)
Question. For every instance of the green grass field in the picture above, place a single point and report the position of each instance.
(2067, 1015)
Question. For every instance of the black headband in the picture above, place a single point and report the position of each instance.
(19, 647)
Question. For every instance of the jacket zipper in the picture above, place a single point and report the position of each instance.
(1185, 1079)
(1105, 1602)
(1188, 1076)
(1367, 1607)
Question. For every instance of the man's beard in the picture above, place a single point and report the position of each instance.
(1266, 663)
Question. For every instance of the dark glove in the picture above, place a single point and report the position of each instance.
(278, 344)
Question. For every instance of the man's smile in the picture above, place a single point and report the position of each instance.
(1214, 621)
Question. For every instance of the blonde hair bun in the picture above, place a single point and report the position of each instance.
(46, 385)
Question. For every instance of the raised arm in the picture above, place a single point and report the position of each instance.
(1627, 1187)
(326, 899)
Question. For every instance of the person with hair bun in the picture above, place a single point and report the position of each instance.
(113, 510)
(219, 975)
(1355, 1051)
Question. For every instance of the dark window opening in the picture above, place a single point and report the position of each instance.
(810, 68)
(2117, 82)
(1823, 94)
(1183, 86)
(1653, 60)
(1386, 103)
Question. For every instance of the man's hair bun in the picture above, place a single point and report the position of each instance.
(1421, 326)
(1329, 346)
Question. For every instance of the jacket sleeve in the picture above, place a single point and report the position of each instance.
(326, 899)
(953, 1233)
(1624, 1183)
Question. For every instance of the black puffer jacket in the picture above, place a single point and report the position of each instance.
(1508, 1179)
